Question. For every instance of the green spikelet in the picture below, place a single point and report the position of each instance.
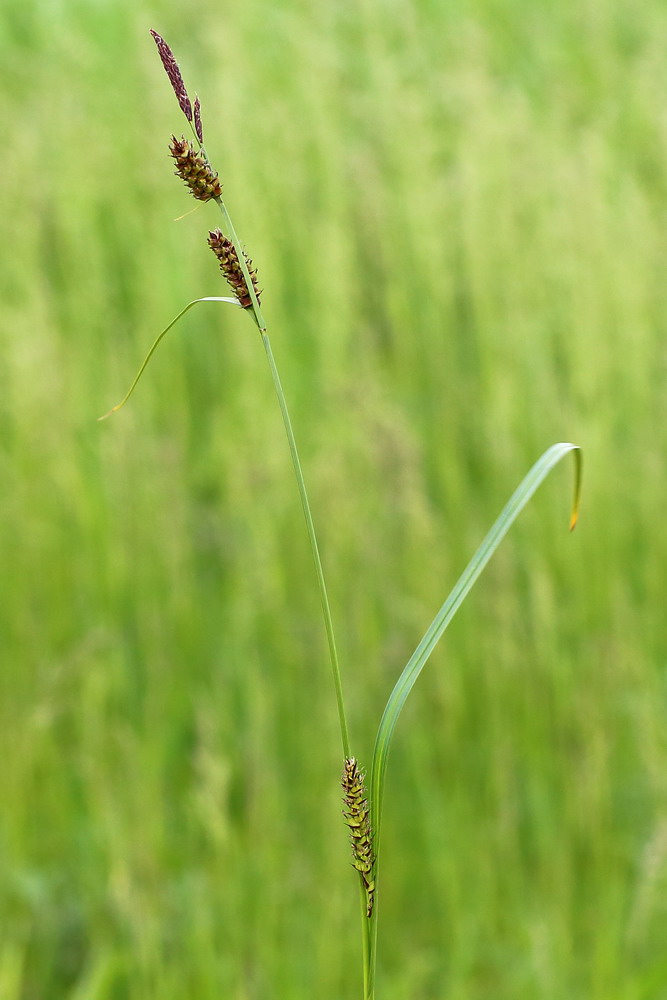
(223, 249)
(357, 818)
(195, 170)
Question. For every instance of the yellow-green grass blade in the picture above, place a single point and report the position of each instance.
(156, 342)
(466, 581)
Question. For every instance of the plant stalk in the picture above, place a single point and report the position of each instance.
(326, 610)
(365, 943)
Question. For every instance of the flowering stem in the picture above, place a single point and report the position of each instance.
(282, 402)
(328, 623)
(365, 943)
(176, 80)
(326, 611)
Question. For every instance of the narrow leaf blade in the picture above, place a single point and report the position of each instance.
(466, 581)
(156, 342)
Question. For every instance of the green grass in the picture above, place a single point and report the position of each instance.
(458, 213)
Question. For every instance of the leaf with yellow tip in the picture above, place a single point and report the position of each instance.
(417, 661)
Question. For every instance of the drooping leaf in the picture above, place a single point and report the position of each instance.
(464, 584)
(206, 298)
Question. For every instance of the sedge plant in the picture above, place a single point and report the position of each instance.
(362, 805)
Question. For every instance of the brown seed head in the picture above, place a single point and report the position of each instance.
(223, 249)
(357, 818)
(198, 129)
(174, 74)
(195, 170)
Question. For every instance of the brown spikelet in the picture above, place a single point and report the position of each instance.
(174, 74)
(195, 170)
(223, 249)
(198, 129)
(357, 818)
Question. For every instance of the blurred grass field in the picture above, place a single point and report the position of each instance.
(459, 216)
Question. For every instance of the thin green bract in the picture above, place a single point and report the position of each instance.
(156, 344)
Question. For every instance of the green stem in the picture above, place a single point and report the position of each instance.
(365, 942)
(372, 950)
(326, 610)
(328, 624)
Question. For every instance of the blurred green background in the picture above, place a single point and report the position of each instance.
(459, 215)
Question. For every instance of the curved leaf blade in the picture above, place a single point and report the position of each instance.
(156, 342)
(464, 584)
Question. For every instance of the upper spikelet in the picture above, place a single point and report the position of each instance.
(357, 818)
(174, 74)
(199, 132)
(223, 248)
(195, 170)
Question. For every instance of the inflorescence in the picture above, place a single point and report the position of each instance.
(357, 818)
(195, 170)
(193, 167)
(225, 251)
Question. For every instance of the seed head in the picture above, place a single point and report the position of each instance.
(195, 170)
(174, 74)
(198, 129)
(357, 818)
(223, 249)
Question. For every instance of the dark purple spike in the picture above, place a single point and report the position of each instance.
(174, 74)
(198, 128)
